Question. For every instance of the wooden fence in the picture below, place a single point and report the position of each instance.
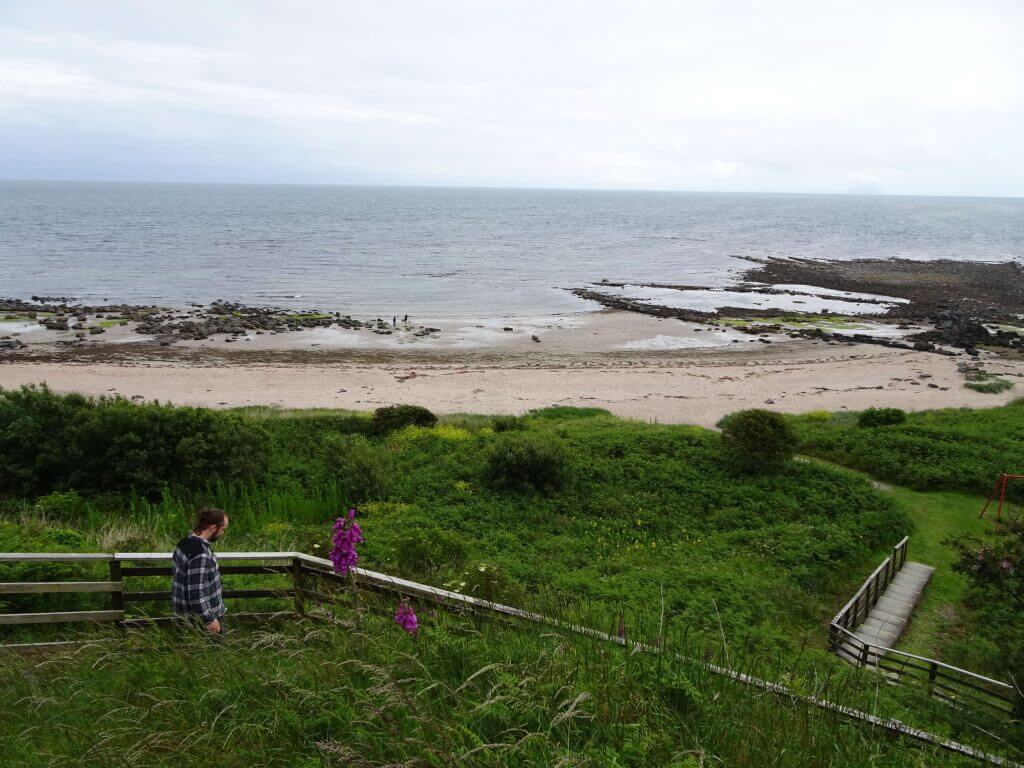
(306, 571)
(949, 683)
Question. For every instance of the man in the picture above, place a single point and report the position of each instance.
(195, 580)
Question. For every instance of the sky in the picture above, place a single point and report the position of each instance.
(865, 96)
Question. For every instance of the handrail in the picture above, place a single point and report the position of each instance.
(936, 662)
(856, 610)
(62, 557)
(896, 560)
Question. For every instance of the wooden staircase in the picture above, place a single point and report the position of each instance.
(888, 618)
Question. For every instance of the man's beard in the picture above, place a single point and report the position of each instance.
(215, 536)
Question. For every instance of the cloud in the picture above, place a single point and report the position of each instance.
(786, 96)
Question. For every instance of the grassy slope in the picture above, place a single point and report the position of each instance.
(653, 520)
(955, 449)
(465, 693)
(653, 517)
(937, 516)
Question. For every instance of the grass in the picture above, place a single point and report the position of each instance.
(991, 385)
(937, 516)
(653, 518)
(654, 527)
(954, 449)
(359, 692)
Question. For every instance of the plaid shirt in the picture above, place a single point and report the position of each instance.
(195, 580)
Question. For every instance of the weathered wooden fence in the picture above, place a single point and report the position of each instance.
(952, 684)
(306, 571)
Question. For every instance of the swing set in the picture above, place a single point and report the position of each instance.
(999, 492)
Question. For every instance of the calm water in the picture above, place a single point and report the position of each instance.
(445, 253)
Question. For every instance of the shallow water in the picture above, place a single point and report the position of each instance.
(446, 253)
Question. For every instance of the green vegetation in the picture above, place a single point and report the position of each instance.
(939, 620)
(954, 449)
(757, 440)
(50, 442)
(393, 417)
(648, 519)
(465, 692)
(994, 567)
(991, 385)
(826, 322)
(523, 460)
(644, 527)
(881, 417)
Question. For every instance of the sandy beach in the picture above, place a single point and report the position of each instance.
(634, 366)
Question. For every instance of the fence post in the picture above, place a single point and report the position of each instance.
(297, 586)
(865, 648)
(933, 672)
(117, 595)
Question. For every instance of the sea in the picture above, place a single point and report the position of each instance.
(447, 253)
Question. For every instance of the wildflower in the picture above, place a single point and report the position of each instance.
(405, 617)
(346, 535)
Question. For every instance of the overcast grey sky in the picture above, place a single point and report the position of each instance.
(894, 96)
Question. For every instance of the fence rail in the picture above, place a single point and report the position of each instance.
(944, 681)
(306, 569)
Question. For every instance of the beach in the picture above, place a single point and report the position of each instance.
(635, 366)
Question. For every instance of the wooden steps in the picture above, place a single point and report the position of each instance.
(888, 618)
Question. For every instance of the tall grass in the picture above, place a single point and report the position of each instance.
(466, 692)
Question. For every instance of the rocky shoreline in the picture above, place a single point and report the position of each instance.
(963, 302)
(167, 325)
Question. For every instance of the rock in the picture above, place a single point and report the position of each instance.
(534, 338)
(96, 330)
(506, 328)
(769, 402)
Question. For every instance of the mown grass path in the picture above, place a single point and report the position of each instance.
(936, 516)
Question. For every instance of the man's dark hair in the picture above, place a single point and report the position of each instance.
(208, 516)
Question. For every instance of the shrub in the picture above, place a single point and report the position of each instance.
(392, 417)
(508, 424)
(526, 459)
(64, 506)
(758, 439)
(356, 465)
(881, 417)
(426, 552)
(56, 442)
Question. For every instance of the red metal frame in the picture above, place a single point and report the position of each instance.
(999, 489)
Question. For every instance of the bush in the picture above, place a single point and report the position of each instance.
(51, 442)
(427, 552)
(758, 439)
(525, 459)
(392, 417)
(881, 417)
(508, 424)
(356, 465)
